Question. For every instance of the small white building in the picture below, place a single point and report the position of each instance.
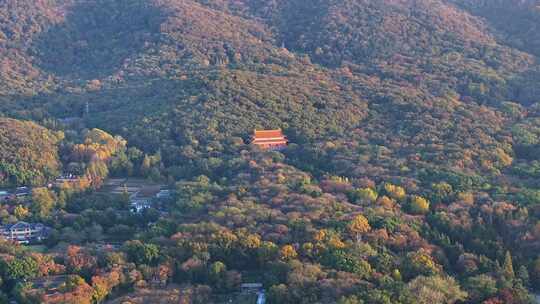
(140, 202)
(67, 178)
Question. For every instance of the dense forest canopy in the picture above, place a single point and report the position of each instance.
(28, 153)
(412, 174)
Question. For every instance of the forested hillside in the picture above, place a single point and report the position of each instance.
(28, 153)
(515, 21)
(414, 158)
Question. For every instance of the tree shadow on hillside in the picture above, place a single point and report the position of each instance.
(97, 37)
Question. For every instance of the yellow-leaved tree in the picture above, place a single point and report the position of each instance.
(419, 205)
(358, 226)
(395, 192)
(287, 253)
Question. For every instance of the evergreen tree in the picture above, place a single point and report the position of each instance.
(508, 268)
(523, 275)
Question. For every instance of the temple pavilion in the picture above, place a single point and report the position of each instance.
(269, 139)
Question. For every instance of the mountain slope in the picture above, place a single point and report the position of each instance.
(516, 21)
(29, 153)
(204, 71)
(421, 116)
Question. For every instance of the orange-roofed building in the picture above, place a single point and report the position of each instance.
(269, 139)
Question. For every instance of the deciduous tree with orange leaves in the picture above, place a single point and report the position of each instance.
(287, 253)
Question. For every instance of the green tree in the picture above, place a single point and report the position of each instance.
(508, 267)
(217, 269)
(441, 192)
(28, 153)
(97, 171)
(536, 272)
(420, 263)
(523, 275)
(267, 252)
(121, 165)
(341, 260)
(350, 300)
(146, 166)
(436, 289)
(43, 201)
(217, 275)
(141, 253)
(365, 195)
(71, 283)
(21, 268)
(481, 287)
